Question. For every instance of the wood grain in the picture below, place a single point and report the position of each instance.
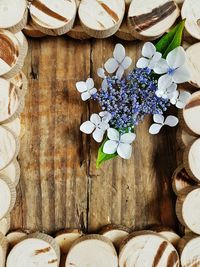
(60, 186)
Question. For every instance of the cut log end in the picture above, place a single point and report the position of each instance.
(3, 249)
(15, 237)
(184, 139)
(31, 31)
(193, 61)
(92, 250)
(5, 225)
(168, 233)
(77, 32)
(14, 126)
(146, 248)
(12, 171)
(124, 32)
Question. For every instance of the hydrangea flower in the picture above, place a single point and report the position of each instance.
(167, 93)
(119, 62)
(97, 125)
(86, 88)
(180, 99)
(150, 56)
(173, 68)
(160, 121)
(120, 143)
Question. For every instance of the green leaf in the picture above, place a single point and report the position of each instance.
(171, 40)
(102, 156)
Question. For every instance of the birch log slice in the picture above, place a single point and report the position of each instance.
(12, 171)
(3, 250)
(167, 233)
(116, 233)
(191, 160)
(66, 238)
(189, 247)
(101, 19)
(5, 225)
(11, 54)
(23, 43)
(31, 31)
(7, 196)
(92, 250)
(191, 114)
(184, 139)
(14, 126)
(191, 12)
(15, 237)
(37, 250)
(20, 80)
(13, 15)
(77, 32)
(149, 19)
(187, 208)
(147, 249)
(53, 17)
(10, 101)
(193, 61)
(181, 180)
(124, 32)
(9, 147)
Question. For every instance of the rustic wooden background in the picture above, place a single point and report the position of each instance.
(60, 186)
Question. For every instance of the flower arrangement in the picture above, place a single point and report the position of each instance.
(125, 100)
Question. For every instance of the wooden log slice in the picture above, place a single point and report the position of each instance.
(92, 250)
(149, 19)
(146, 248)
(31, 31)
(189, 116)
(3, 249)
(10, 101)
(15, 237)
(193, 61)
(116, 233)
(13, 15)
(191, 12)
(66, 238)
(7, 196)
(12, 171)
(181, 180)
(168, 233)
(11, 54)
(124, 32)
(5, 225)
(189, 248)
(36, 250)
(53, 17)
(9, 145)
(14, 126)
(191, 159)
(184, 139)
(77, 32)
(23, 43)
(187, 208)
(101, 19)
(20, 80)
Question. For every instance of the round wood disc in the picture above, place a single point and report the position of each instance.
(31, 31)
(20, 80)
(181, 180)
(187, 208)
(146, 249)
(191, 12)
(191, 160)
(3, 249)
(190, 115)
(36, 250)
(124, 32)
(53, 17)
(12, 171)
(92, 250)
(77, 32)
(147, 20)
(9, 146)
(13, 14)
(5, 225)
(7, 196)
(15, 237)
(14, 126)
(184, 139)
(101, 19)
(66, 238)
(167, 233)
(23, 43)
(116, 233)
(193, 61)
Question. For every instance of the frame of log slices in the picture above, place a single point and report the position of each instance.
(113, 245)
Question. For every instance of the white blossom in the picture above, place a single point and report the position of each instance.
(180, 99)
(167, 93)
(86, 88)
(160, 121)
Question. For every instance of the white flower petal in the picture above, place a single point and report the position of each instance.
(171, 121)
(106, 116)
(128, 138)
(148, 50)
(126, 62)
(174, 98)
(101, 73)
(119, 53)
(113, 134)
(184, 96)
(103, 126)
(179, 104)
(89, 83)
(110, 147)
(87, 127)
(181, 75)
(124, 150)
(160, 93)
(155, 128)
(142, 63)
(104, 85)
(85, 96)
(164, 82)
(93, 91)
(120, 72)
(81, 86)
(158, 118)
(111, 65)
(95, 119)
(154, 60)
(161, 66)
(176, 57)
(98, 135)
